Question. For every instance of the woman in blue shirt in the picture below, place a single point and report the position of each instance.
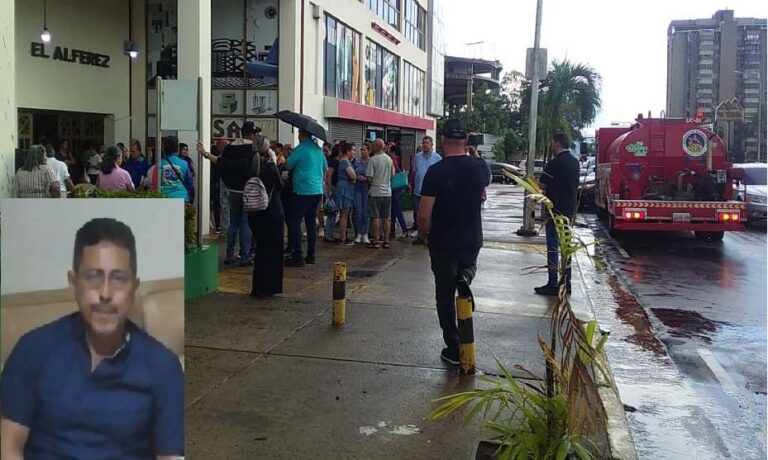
(361, 197)
(345, 188)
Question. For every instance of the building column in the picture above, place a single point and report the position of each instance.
(289, 60)
(8, 114)
(194, 61)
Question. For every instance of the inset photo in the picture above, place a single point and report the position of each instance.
(92, 328)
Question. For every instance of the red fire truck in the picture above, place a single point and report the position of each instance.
(664, 174)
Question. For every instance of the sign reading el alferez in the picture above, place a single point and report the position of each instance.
(71, 55)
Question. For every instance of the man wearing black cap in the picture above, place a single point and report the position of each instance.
(450, 223)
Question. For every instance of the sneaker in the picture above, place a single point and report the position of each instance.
(349, 243)
(309, 260)
(366, 240)
(294, 263)
(230, 260)
(246, 262)
(450, 356)
(358, 239)
(417, 241)
(547, 289)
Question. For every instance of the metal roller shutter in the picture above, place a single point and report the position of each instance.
(349, 131)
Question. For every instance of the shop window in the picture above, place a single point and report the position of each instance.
(388, 10)
(414, 23)
(381, 75)
(342, 67)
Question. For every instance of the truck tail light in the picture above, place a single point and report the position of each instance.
(727, 216)
(634, 214)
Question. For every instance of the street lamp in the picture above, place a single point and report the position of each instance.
(756, 74)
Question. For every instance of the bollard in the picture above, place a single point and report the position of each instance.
(339, 293)
(466, 334)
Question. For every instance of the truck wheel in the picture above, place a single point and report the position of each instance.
(710, 236)
(612, 225)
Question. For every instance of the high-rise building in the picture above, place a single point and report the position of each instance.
(713, 60)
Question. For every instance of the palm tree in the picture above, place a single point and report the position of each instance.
(569, 100)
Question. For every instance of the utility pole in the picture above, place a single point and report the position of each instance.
(528, 205)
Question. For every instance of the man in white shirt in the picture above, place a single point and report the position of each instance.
(60, 170)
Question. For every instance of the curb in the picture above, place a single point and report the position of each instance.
(620, 441)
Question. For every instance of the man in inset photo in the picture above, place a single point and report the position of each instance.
(93, 384)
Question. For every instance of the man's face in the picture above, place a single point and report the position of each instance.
(104, 287)
(426, 145)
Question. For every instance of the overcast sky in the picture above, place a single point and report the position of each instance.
(626, 41)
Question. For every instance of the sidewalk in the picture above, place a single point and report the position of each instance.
(273, 378)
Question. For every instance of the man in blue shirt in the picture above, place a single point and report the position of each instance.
(308, 166)
(136, 165)
(93, 384)
(421, 164)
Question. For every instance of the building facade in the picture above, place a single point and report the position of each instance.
(360, 67)
(713, 60)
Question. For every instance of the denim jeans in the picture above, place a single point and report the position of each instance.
(304, 207)
(238, 223)
(224, 198)
(397, 210)
(447, 266)
(362, 222)
(552, 257)
(416, 202)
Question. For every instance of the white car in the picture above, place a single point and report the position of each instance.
(538, 167)
(752, 190)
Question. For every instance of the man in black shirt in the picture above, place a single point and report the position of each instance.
(561, 183)
(450, 223)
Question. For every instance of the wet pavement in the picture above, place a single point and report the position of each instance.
(271, 378)
(688, 340)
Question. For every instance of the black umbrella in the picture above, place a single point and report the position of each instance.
(304, 122)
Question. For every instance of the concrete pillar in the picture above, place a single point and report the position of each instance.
(8, 116)
(289, 59)
(194, 60)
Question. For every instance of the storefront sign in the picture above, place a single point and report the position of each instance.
(729, 110)
(71, 55)
(229, 128)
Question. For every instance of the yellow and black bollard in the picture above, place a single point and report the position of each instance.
(339, 293)
(466, 334)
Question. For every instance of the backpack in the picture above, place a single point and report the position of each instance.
(255, 196)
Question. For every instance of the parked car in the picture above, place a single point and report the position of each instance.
(538, 167)
(752, 190)
(587, 184)
(497, 172)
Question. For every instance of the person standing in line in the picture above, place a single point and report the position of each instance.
(308, 167)
(397, 195)
(176, 180)
(362, 223)
(379, 172)
(269, 230)
(561, 184)
(35, 179)
(94, 163)
(331, 180)
(60, 170)
(136, 164)
(345, 189)
(451, 225)
(235, 170)
(112, 176)
(421, 164)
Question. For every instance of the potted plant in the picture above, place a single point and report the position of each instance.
(562, 416)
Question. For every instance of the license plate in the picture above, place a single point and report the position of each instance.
(681, 217)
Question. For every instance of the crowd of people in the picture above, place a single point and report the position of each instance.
(341, 193)
(54, 173)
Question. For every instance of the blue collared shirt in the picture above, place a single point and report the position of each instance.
(423, 162)
(137, 169)
(130, 407)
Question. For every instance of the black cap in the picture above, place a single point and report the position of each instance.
(249, 128)
(454, 129)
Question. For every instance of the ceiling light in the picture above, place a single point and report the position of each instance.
(45, 36)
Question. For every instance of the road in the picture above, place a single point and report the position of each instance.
(693, 362)
(688, 332)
